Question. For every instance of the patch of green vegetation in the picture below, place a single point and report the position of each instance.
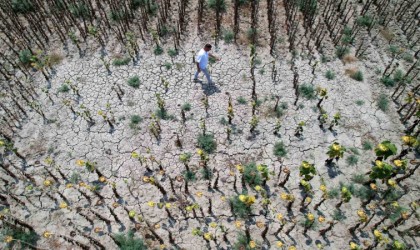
(207, 143)
(79, 10)
(129, 242)
(189, 176)
(241, 100)
(388, 81)
(26, 239)
(339, 215)
(360, 102)
(261, 71)
(354, 151)
(186, 106)
(341, 51)
(118, 15)
(240, 209)
(279, 149)
(64, 88)
(407, 57)
(121, 61)
(251, 175)
(398, 75)
(134, 82)
(334, 193)
(330, 75)
(228, 36)
(383, 102)
(22, 6)
(242, 242)
(250, 33)
(359, 178)
(167, 65)
(163, 114)
(358, 76)
(366, 21)
(172, 52)
(135, 120)
(217, 5)
(223, 121)
(352, 160)
(206, 173)
(367, 145)
(25, 56)
(158, 50)
(307, 91)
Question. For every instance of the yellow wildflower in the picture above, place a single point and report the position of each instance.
(1, 143)
(199, 194)
(134, 155)
(250, 200)
(260, 167)
(321, 219)
(305, 164)
(47, 183)
(82, 184)
(97, 230)
(292, 248)
(8, 239)
(344, 190)
(404, 215)
(200, 152)
(258, 188)
(102, 179)
(243, 198)
(308, 200)
(310, 217)
(279, 244)
(213, 224)
(157, 226)
(162, 246)
(377, 234)
(382, 147)
(279, 216)
(238, 224)
(189, 208)
(323, 188)
(353, 246)
(47, 234)
(240, 168)
(336, 147)
(151, 203)
(69, 185)
(392, 183)
(284, 196)
(146, 179)
(373, 186)
(115, 205)
(208, 236)
(398, 163)
(223, 198)
(48, 160)
(63, 205)
(132, 213)
(80, 163)
(168, 205)
(252, 244)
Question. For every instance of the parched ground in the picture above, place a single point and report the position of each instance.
(123, 152)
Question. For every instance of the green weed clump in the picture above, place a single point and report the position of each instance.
(135, 120)
(158, 50)
(307, 91)
(367, 145)
(134, 82)
(279, 149)
(383, 103)
(207, 143)
(172, 52)
(25, 56)
(121, 61)
(352, 160)
(242, 242)
(79, 10)
(388, 81)
(251, 175)
(358, 76)
(186, 106)
(22, 6)
(64, 88)
(228, 36)
(129, 242)
(341, 51)
(241, 100)
(189, 176)
(26, 239)
(241, 205)
(330, 75)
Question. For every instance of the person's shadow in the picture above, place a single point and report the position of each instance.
(209, 89)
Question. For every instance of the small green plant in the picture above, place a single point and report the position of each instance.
(228, 36)
(206, 173)
(241, 205)
(367, 145)
(388, 81)
(352, 160)
(79, 10)
(408, 57)
(385, 149)
(360, 102)
(252, 175)
(17, 235)
(25, 56)
(167, 65)
(307, 170)
(189, 175)
(241, 100)
(342, 51)
(251, 33)
(223, 121)
(279, 150)
(121, 61)
(339, 215)
(129, 242)
(330, 75)
(186, 106)
(134, 121)
(307, 91)
(242, 242)
(383, 102)
(64, 88)
(158, 50)
(366, 21)
(217, 5)
(172, 52)
(358, 76)
(207, 143)
(359, 178)
(134, 82)
(22, 6)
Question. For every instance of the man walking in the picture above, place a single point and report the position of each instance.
(202, 60)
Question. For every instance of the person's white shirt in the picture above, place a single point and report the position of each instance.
(202, 58)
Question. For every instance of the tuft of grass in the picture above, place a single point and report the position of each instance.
(64, 88)
(334, 193)
(172, 52)
(242, 242)
(251, 175)
(388, 81)
(383, 103)
(158, 50)
(279, 149)
(241, 100)
(367, 145)
(134, 82)
(189, 176)
(25, 56)
(223, 121)
(339, 215)
(251, 33)
(167, 65)
(358, 76)
(228, 36)
(352, 160)
(22, 6)
(25, 239)
(354, 151)
(121, 61)
(186, 106)
(408, 57)
(135, 120)
(359, 178)
(239, 208)
(163, 114)
(129, 242)
(330, 75)
(207, 143)
(341, 51)
(360, 102)
(206, 173)
(217, 5)
(307, 91)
